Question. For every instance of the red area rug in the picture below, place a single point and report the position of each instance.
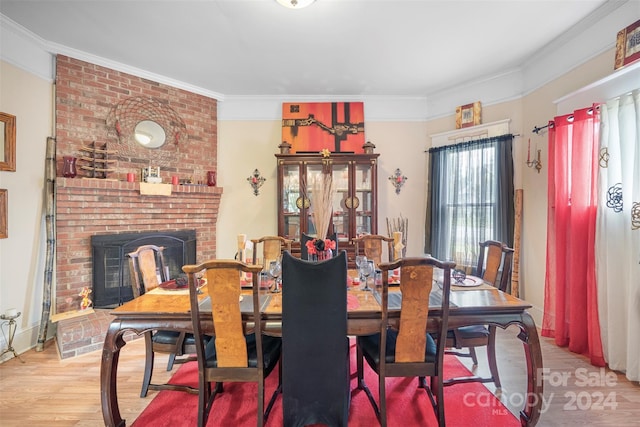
(407, 406)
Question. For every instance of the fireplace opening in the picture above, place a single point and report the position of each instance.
(111, 279)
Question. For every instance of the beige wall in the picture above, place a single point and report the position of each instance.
(30, 99)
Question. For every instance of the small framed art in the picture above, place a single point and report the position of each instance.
(468, 115)
(628, 45)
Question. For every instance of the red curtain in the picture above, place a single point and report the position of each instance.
(571, 309)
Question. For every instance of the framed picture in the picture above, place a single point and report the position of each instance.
(4, 213)
(468, 115)
(7, 142)
(628, 45)
(314, 126)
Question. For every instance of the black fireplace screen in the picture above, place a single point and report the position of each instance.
(111, 280)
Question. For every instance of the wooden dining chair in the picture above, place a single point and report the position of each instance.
(494, 266)
(315, 346)
(272, 249)
(372, 246)
(147, 270)
(304, 238)
(404, 346)
(233, 347)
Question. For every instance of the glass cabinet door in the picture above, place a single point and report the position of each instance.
(292, 201)
(314, 171)
(363, 198)
(340, 218)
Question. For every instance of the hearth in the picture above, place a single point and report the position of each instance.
(111, 281)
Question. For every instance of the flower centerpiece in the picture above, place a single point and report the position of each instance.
(321, 198)
(318, 248)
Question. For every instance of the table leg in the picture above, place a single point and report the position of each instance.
(113, 342)
(530, 415)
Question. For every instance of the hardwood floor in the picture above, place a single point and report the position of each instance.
(575, 392)
(47, 391)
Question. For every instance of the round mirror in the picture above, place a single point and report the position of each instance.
(149, 134)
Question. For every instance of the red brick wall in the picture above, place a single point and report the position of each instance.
(85, 94)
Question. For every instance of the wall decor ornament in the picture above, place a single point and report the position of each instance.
(536, 162)
(97, 160)
(468, 115)
(627, 45)
(125, 116)
(398, 180)
(256, 181)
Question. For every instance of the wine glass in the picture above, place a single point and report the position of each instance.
(360, 259)
(275, 270)
(366, 269)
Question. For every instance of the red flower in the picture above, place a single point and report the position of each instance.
(318, 245)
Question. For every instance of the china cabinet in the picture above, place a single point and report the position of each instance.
(354, 196)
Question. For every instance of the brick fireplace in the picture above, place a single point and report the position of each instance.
(85, 96)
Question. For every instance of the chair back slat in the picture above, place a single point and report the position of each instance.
(507, 266)
(147, 262)
(223, 286)
(494, 259)
(415, 286)
(371, 246)
(144, 265)
(272, 249)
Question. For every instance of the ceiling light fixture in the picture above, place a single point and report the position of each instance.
(295, 4)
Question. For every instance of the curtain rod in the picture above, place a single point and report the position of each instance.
(483, 140)
(537, 129)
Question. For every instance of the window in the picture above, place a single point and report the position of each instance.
(470, 198)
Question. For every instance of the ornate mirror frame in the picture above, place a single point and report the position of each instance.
(4, 213)
(7, 142)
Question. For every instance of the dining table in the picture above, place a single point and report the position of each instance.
(478, 304)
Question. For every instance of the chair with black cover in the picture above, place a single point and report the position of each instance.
(404, 346)
(494, 266)
(272, 249)
(315, 346)
(372, 246)
(304, 254)
(147, 270)
(232, 348)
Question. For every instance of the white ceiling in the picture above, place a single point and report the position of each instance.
(332, 48)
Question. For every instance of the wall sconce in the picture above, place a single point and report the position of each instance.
(256, 181)
(398, 180)
(535, 163)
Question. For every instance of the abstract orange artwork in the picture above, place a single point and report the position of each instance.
(314, 126)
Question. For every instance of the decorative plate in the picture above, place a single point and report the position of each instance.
(469, 282)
